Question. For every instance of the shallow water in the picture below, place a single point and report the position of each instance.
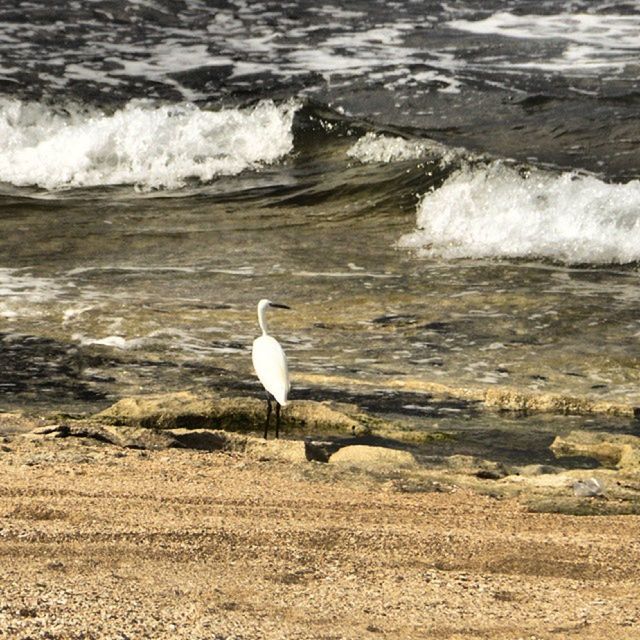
(176, 281)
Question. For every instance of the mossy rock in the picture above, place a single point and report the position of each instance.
(187, 410)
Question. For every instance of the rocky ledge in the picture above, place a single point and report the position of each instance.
(187, 410)
(604, 476)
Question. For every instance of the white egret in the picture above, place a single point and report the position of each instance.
(270, 364)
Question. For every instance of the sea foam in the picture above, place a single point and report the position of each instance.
(496, 210)
(22, 294)
(593, 41)
(150, 147)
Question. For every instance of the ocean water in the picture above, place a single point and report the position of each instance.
(443, 192)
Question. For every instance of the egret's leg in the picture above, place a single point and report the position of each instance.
(277, 419)
(266, 424)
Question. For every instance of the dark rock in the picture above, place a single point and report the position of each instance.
(438, 327)
(491, 474)
(320, 450)
(203, 439)
(95, 432)
(393, 318)
(127, 437)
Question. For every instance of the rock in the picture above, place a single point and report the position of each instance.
(589, 488)
(285, 450)
(164, 411)
(369, 457)
(531, 470)
(218, 440)
(611, 450)
(501, 398)
(394, 318)
(320, 450)
(46, 429)
(490, 474)
(128, 437)
(308, 415)
(93, 431)
(470, 465)
(204, 439)
(186, 410)
(549, 483)
(139, 438)
(48, 432)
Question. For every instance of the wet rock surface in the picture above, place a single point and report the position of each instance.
(501, 398)
(516, 400)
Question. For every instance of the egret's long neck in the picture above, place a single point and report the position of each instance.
(262, 319)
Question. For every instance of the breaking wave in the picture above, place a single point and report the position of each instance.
(150, 147)
(497, 210)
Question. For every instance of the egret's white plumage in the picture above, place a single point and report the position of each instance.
(270, 364)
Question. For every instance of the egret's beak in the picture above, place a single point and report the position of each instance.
(279, 306)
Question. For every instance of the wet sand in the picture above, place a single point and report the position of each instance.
(102, 542)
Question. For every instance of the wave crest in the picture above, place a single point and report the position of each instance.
(498, 211)
(150, 147)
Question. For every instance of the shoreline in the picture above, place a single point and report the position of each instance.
(541, 456)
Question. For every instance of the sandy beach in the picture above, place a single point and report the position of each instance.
(103, 542)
